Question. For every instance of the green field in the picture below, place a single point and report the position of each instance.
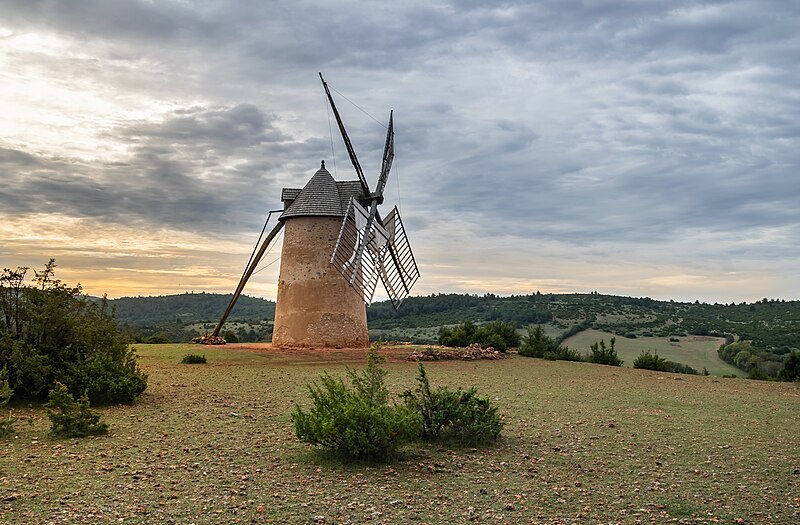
(582, 444)
(696, 351)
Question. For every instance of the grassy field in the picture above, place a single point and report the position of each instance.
(695, 350)
(583, 444)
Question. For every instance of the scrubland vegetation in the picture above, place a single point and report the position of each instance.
(580, 444)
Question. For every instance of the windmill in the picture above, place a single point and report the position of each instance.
(335, 225)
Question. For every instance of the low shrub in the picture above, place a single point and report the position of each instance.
(6, 424)
(563, 353)
(157, 339)
(498, 334)
(649, 361)
(680, 368)
(603, 355)
(454, 416)
(357, 421)
(791, 368)
(70, 418)
(536, 343)
(194, 359)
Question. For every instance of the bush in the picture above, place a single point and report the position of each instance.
(157, 339)
(603, 355)
(563, 353)
(536, 343)
(230, 337)
(356, 422)
(791, 368)
(50, 332)
(193, 359)
(680, 368)
(6, 424)
(497, 334)
(454, 416)
(649, 361)
(70, 418)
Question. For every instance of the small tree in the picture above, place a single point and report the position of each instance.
(791, 367)
(536, 343)
(603, 355)
(70, 418)
(6, 424)
(649, 361)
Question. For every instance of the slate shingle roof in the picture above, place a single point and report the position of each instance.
(321, 196)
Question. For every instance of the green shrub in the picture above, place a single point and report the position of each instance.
(680, 368)
(6, 424)
(649, 361)
(498, 334)
(230, 337)
(536, 343)
(356, 422)
(603, 355)
(563, 353)
(157, 339)
(50, 332)
(70, 418)
(453, 416)
(194, 359)
(791, 368)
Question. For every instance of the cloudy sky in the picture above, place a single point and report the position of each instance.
(642, 148)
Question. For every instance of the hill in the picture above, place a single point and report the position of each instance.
(189, 308)
(772, 327)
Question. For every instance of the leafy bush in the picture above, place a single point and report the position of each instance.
(456, 416)
(680, 368)
(536, 343)
(791, 368)
(50, 332)
(194, 359)
(230, 337)
(649, 361)
(498, 334)
(563, 353)
(356, 422)
(157, 339)
(603, 355)
(6, 424)
(70, 418)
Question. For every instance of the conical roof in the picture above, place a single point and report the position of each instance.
(321, 196)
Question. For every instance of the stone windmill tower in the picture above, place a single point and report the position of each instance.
(336, 247)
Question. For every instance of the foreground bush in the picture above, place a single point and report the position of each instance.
(194, 359)
(50, 332)
(536, 343)
(457, 416)
(357, 421)
(70, 418)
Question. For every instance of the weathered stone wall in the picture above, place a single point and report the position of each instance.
(315, 306)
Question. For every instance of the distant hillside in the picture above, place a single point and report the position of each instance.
(189, 308)
(772, 328)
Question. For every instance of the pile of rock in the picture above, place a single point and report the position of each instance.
(470, 353)
(208, 339)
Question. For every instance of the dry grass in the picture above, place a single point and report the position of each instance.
(583, 444)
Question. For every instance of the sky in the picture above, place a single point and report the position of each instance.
(637, 148)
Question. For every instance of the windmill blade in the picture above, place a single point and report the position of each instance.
(388, 157)
(355, 255)
(395, 261)
(246, 275)
(347, 144)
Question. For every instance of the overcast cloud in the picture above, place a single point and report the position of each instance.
(638, 148)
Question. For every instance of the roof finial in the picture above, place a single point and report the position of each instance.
(323, 165)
